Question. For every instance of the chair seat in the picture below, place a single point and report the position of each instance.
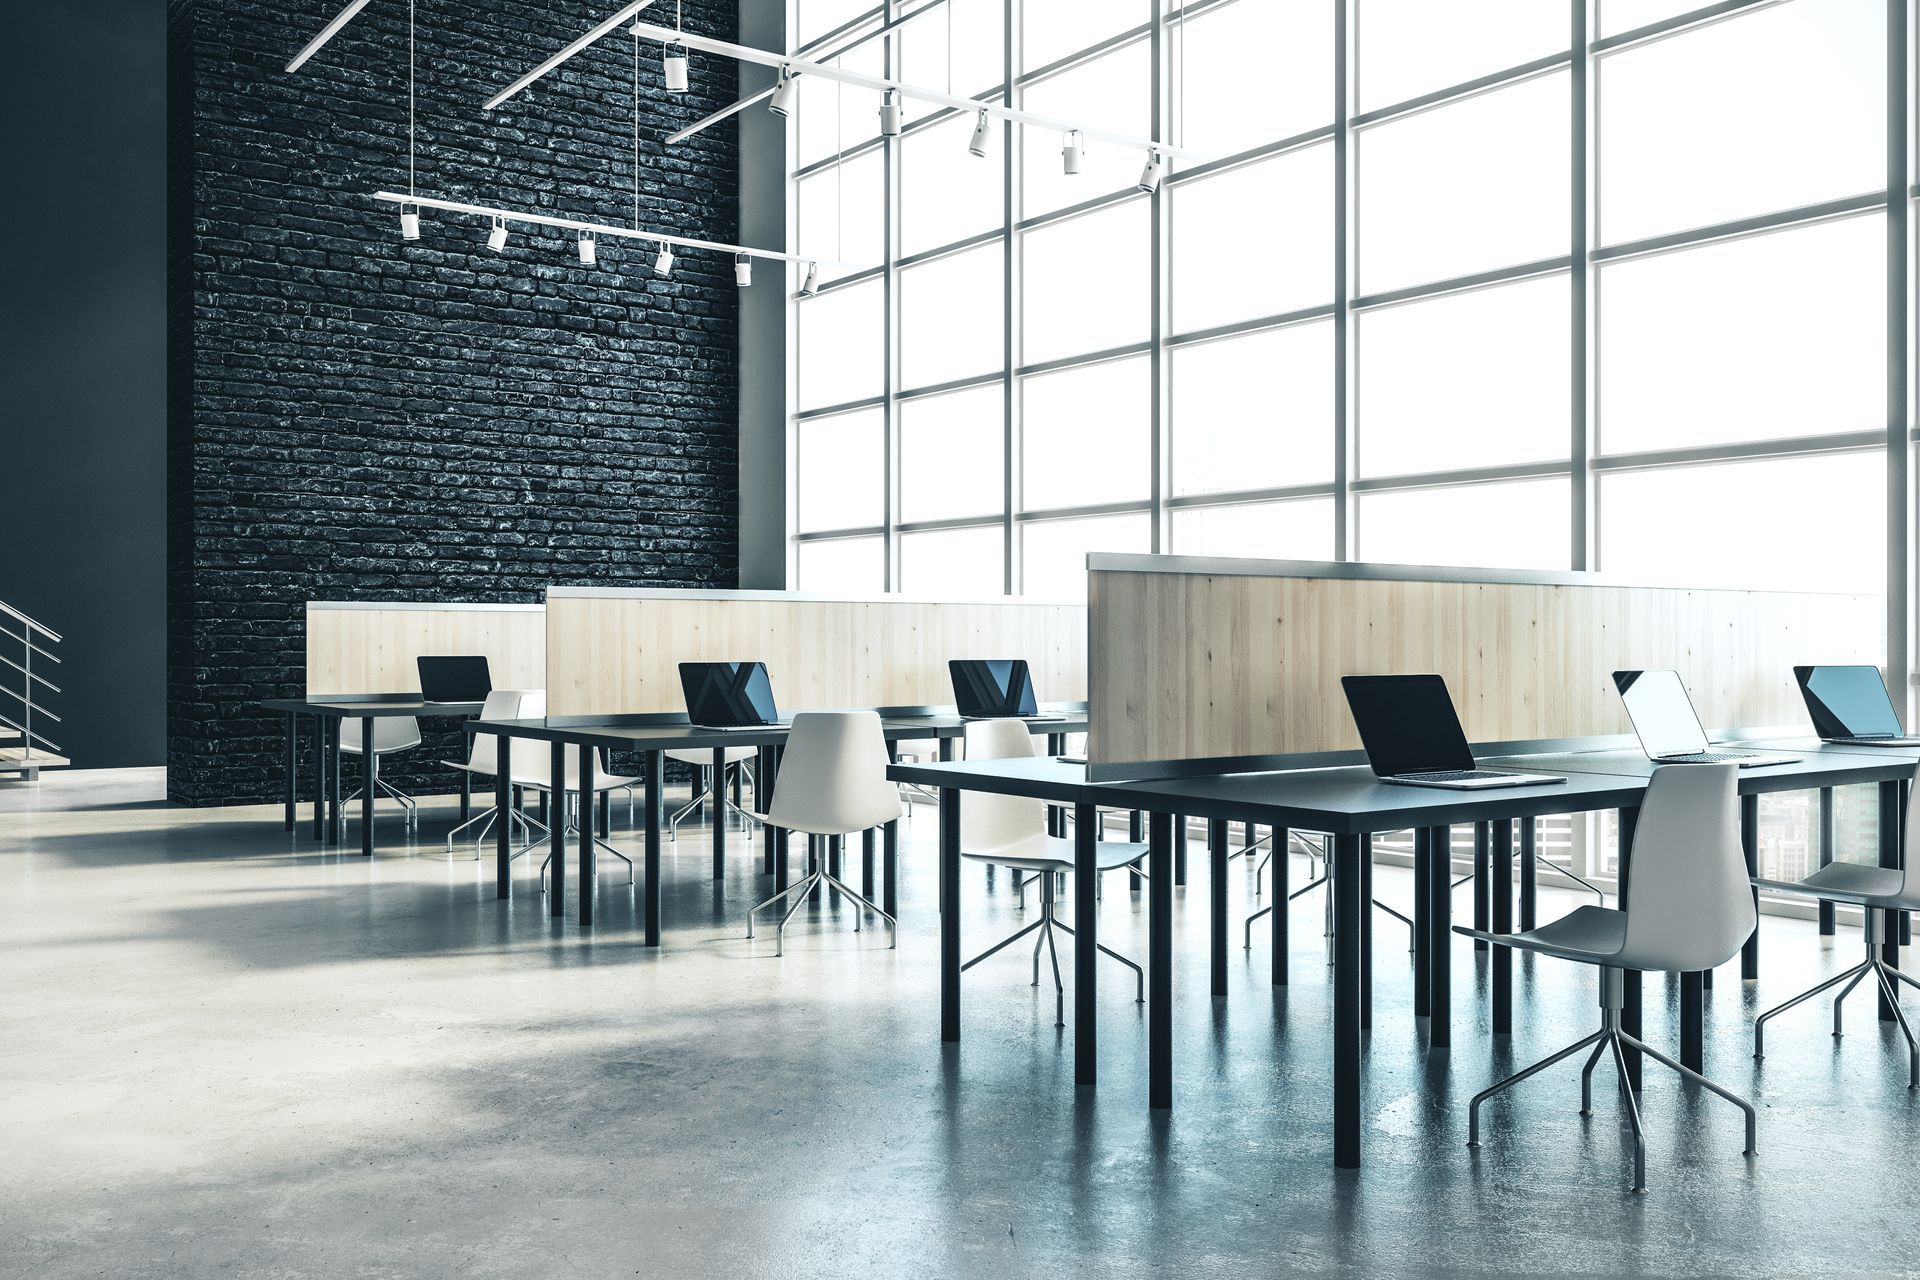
(352, 749)
(704, 757)
(1590, 935)
(1851, 882)
(1053, 853)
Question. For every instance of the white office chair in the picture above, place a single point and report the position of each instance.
(391, 734)
(1687, 908)
(1875, 890)
(704, 788)
(833, 782)
(1011, 831)
(484, 761)
(567, 810)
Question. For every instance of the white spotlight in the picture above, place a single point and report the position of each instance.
(1150, 176)
(589, 252)
(781, 103)
(811, 285)
(497, 238)
(663, 260)
(742, 270)
(409, 224)
(1070, 152)
(979, 144)
(673, 62)
(889, 114)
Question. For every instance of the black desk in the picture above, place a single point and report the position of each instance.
(328, 714)
(651, 735)
(1351, 805)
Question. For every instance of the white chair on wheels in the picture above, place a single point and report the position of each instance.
(1875, 890)
(1011, 831)
(391, 734)
(1687, 908)
(705, 788)
(833, 782)
(483, 761)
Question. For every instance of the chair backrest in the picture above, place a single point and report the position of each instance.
(504, 704)
(1689, 903)
(833, 775)
(988, 821)
(390, 733)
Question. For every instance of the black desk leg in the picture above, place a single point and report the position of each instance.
(589, 852)
(336, 807)
(1160, 961)
(816, 860)
(1500, 909)
(1750, 846)
(1439, 890)
(502, 827)
(834, 868)
(1889, 857)
(466, 793)
(1277, 917)
(890, 855)
(866, 863)
(1179, 849)
(1217, 899)
(1422, 905)
(945, 748)
(1631, 1001)
(1904, 917)
(293, 730)
(1366, 933)
(1529, 860)
(319, 777)
(766, 773)
(652, 773)
(781, 861)
(1481, 895)
(1086, 940)
(369, 784)
(1056, 817)
(719, 797)
(606, 824)
(1693, 1006)
(1135, 835)
(557, 833)
(950, 917)
(1348, 908)
(1825, 855)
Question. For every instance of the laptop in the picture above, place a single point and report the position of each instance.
(1413, 737)
(453, 679)
(1669, 729)
(994, 689)
(729, 695)
(1849, 705)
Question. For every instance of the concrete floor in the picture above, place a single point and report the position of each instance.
(225, 1051)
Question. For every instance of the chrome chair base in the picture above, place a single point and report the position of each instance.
(1045, 925)
(573, 829)
(798, 891)
(705, 793)
(407, 802)
(525, 824)
(1610, 1038)
(1885, 974)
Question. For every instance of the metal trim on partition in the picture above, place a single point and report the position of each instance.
(783, 597)
(476, 606)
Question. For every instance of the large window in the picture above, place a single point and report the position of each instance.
(1496, 292)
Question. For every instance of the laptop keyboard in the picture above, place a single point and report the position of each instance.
(1454, 775)
(1708, 757)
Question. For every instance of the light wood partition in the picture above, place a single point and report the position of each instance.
(1194, 658)
(615, 652)
(370, 648)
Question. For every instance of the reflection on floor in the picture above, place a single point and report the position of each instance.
(225, 1049)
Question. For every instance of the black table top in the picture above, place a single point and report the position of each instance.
(376, 705)
(1818, 765)
(663, 733)
(1035, 777)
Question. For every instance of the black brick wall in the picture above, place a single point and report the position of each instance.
(351, 417)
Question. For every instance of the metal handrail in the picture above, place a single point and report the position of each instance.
(31, 734)
(30, 705)
(48, 654)
(35, 623)
(30, 675)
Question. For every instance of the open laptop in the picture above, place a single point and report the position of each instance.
(994, 689)
(1413, 736)
(454, 679)
(1849, 705)
(1669, 729)
(729, 695)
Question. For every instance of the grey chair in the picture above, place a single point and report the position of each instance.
(1687, 908)
(1875, 890)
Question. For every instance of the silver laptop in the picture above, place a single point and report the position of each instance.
(1850, 706)
(1413, 736)
(1669, 729)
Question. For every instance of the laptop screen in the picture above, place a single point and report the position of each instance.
(1848, 702)
(997, 687)
(454, 679)
(1407, 724)
(727, 695)
(1661, 712)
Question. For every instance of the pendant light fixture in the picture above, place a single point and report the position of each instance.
(781, 103)
(978, 145)
(673, 54)
(742, 270)
(1071, 150)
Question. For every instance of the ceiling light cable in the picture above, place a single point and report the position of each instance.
(410, 218)
(673, 54)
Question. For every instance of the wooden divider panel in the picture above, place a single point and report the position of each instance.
(370, 648)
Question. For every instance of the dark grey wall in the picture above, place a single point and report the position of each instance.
(355, 417)
(763, 319)
(83, 360)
